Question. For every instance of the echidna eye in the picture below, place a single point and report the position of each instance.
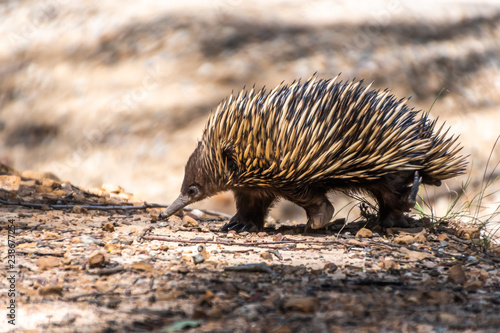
(192, 191)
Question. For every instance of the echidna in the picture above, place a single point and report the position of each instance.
(302, 140)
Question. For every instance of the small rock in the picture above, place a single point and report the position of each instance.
(262, 234)
(355, 242)
(456, 274)
(405, 240)
(142, 266)
(198, 258)
(198, 213)
(442, 237)
(330, 267)
(79, 196)
(389, 264)
(44, 263)
(472, 259)
(473, 285)
(113, 248)
(203, 251)
(109, 227)
(188, 221)
(89, 239)
(79, 210)
(266, 256)
(154, 253)
(48, 182)
(9, 182)
(50, 290)
(50, 235)
(97, 260)
(183, 270)
(278, 237)
(302, 304)
(111, 188)
(420, 238)
(364, 233)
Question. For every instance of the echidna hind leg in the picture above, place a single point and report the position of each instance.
(395, 198)
(252, 207)
(318, 208)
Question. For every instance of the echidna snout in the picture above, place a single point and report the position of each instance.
(300, 141)
(195, 187)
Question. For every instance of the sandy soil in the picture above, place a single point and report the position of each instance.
(77, 263)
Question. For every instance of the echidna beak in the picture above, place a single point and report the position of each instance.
(179, 203)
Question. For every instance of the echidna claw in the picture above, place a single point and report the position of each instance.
(238, 226)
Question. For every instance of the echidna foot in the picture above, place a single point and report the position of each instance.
(319, 214)
(400, 221)
(239, 226)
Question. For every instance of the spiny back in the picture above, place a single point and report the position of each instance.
(321, 130)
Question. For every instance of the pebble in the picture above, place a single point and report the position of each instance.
(266, 256)
(50, 290)
(198, 258)
(364, 233)
(78, 210)
(301, 304)
(456, 274)
(109, 227)
(142, 266)
(154, 253)
(9, 183)
(44, 263)
(405, 240)
(111, 188)
(472, 259)
(188, 221)
(97, 259)
(198, 213)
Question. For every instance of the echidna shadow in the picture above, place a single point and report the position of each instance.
(302, 140)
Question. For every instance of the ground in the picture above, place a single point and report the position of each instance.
(81, 264)
(118, 92)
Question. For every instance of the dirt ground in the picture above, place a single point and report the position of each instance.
(85, 268)
(117, 92)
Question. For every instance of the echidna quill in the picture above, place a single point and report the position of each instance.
(301, 141)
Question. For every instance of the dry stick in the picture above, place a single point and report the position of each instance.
(197, 241)
(105, 207)
(41, 253)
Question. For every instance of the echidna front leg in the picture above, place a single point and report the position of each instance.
(252, 206)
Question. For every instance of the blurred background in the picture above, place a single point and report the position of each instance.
(119, 91)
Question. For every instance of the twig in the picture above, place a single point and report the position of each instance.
(104, 207)
(107, 271)
(198, 241)
(74, 298)
(96, 206)
(252, 268)
(41, 253)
